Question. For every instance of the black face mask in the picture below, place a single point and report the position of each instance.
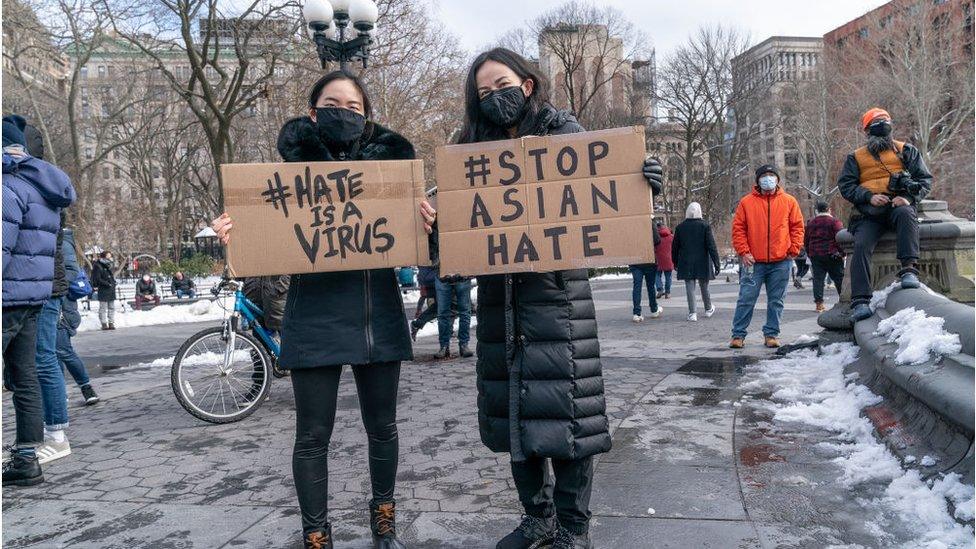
(338, 126)
(880, 129)
(504, 107)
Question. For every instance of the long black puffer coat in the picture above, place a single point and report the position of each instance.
(694, 252)
(348, 317)
(540, 382)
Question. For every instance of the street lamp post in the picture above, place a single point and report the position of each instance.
(328, 21)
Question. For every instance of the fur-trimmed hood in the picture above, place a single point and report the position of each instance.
(298, 141)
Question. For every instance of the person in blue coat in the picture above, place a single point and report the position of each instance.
(33, 194)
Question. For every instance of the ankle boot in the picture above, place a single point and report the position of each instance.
(382, 521)
(319, 539)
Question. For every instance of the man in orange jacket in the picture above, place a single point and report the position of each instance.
(767, 233)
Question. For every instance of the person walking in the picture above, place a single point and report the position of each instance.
(695, 258)
(767, 233)
(826, 257)
(34, 192)
(453, 299)
(103, 279)
(884, 180)
(540, 383)
(645, 274)
(71, 319)
(665, 263)
(363, 325)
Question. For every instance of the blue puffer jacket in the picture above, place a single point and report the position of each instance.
(33, 194)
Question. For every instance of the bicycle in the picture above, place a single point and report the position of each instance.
(227, 366)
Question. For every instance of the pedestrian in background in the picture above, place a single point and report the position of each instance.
(103, 279)
(78, 287)
(183, 286)
(826, 257)
(695, 258)
(767, 233)
(146, 291)
(450, 290)
(33, 194)
(665, 263)
(645, 274)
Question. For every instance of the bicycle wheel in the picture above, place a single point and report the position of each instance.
(219, 384)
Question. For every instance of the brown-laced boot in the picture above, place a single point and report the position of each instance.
(737, 343)
(319, 539)
(382, 521)
(821, 307)
(772, 342)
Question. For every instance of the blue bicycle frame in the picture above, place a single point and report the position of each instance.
(250, 312)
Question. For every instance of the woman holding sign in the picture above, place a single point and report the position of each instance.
(541, 328)
(337, 318)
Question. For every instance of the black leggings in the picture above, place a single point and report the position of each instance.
(316, 390)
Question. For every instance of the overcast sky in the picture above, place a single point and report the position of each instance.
(666, 22)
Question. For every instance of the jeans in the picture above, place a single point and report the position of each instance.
(446, 292)
(316, 393)
(106, 312)
(19, 374)
(663, 281)
(823, 266)
(50, 376)
(180, 294)
(644, 274)
(569, 494)
(776, 277)
(690, 293)
(70, 359)
(867, 231)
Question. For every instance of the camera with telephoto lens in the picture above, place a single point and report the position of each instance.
(902, 183)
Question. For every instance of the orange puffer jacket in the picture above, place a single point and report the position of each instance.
(768, 226)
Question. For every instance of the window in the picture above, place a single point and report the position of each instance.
(133, 193)
(155, 172)
(117, 173)
(89, 154)
(101, 71)
(791, 159)
(106, 173)
(84, 73)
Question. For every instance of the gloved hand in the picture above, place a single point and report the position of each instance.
(654, 173)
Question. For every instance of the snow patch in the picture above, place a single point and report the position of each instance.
(804, 339)
(919, 337)
(812, 389)
(928, 461)
(200, 311)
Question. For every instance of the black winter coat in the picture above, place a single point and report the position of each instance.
(103, 280)
(146, 288)
(694, 252)
(540, 382)
(59, 288)
(349, 317)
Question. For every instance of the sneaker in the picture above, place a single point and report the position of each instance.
(638, 319)
(737, 343)
(568, 540)
(667, 296)
(657, 312)
(771, 342)
(52, 450)
(710, 311)
(692, 317)
(532, 533)
(659, 295)
(413, 330)
(319, 539)
(821, 307)
(860, 312)
(445, 352)
(909, 281)
(464, 351)
(89, 395)
(21, 470)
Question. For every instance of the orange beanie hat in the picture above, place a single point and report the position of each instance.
(871, 115)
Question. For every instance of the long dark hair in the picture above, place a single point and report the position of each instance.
(321, 83)
(476, 128)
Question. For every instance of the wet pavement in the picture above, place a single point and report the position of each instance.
(695, 461)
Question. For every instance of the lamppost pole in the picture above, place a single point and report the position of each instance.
(327, 23)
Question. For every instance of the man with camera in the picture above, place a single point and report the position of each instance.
(885, 180)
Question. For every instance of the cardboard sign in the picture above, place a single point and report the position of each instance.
(292, 218)
(544, 203)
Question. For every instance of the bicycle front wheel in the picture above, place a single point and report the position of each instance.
(221, 377)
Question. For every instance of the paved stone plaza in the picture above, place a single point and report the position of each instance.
(690, 466)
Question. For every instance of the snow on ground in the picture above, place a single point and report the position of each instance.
(880, 297)
(613, 276)
(804, 339)
(919, 337)
(199, 311)
(814, 390)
